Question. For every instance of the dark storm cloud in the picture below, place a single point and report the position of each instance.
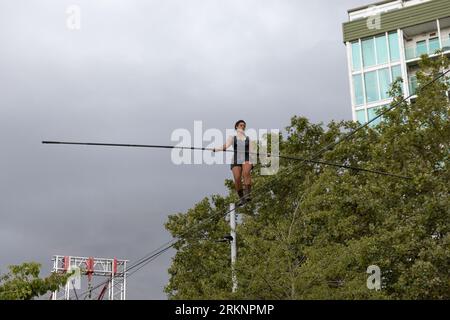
(136, 71)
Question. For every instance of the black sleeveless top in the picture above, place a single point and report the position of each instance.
(241, 150)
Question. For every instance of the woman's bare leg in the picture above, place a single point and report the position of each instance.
(237, 174)
(246, 172)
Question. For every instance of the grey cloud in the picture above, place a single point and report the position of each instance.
(136, 71)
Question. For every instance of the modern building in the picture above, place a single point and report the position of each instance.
(384, 41)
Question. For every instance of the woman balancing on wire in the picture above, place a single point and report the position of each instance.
(241, 165)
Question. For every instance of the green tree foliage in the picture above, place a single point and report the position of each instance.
(22, 282)
(312, 231)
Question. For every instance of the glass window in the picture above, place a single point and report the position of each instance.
(356, 56)
(368, 49)
(421, 48)
(361, 116)
(372, 113)
(371, 86)
(446, 43)
(413, 84)
(410, 53)
(382, 50)
(397, 73)
(385, 82)
(394, 48)
(434, 45)
(358, 88)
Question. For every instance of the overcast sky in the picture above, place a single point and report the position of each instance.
(136, 71)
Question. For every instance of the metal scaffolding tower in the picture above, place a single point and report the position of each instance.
(112, 269)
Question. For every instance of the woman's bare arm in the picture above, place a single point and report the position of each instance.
(226, 145)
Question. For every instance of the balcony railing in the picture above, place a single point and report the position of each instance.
(446, 45)
(430, 48)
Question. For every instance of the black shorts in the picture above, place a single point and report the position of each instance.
(238, 165)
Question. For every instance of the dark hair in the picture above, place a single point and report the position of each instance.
(238, 123)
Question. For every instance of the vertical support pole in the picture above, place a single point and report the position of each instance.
(233, 246)
(55, 269)
(404, 65)
(124, 284)
(67, 291)
(67, 267)
(111, 281)
(438, 23)
(112, 287)
(109, 290)
(350, 78)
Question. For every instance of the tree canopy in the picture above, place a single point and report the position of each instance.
(311, 231)
(22, 282)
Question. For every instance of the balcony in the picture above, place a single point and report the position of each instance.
(426, 38)
(428, 47)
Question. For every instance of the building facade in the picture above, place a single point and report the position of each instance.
(384, 41)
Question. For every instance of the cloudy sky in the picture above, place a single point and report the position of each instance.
(136, 71)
